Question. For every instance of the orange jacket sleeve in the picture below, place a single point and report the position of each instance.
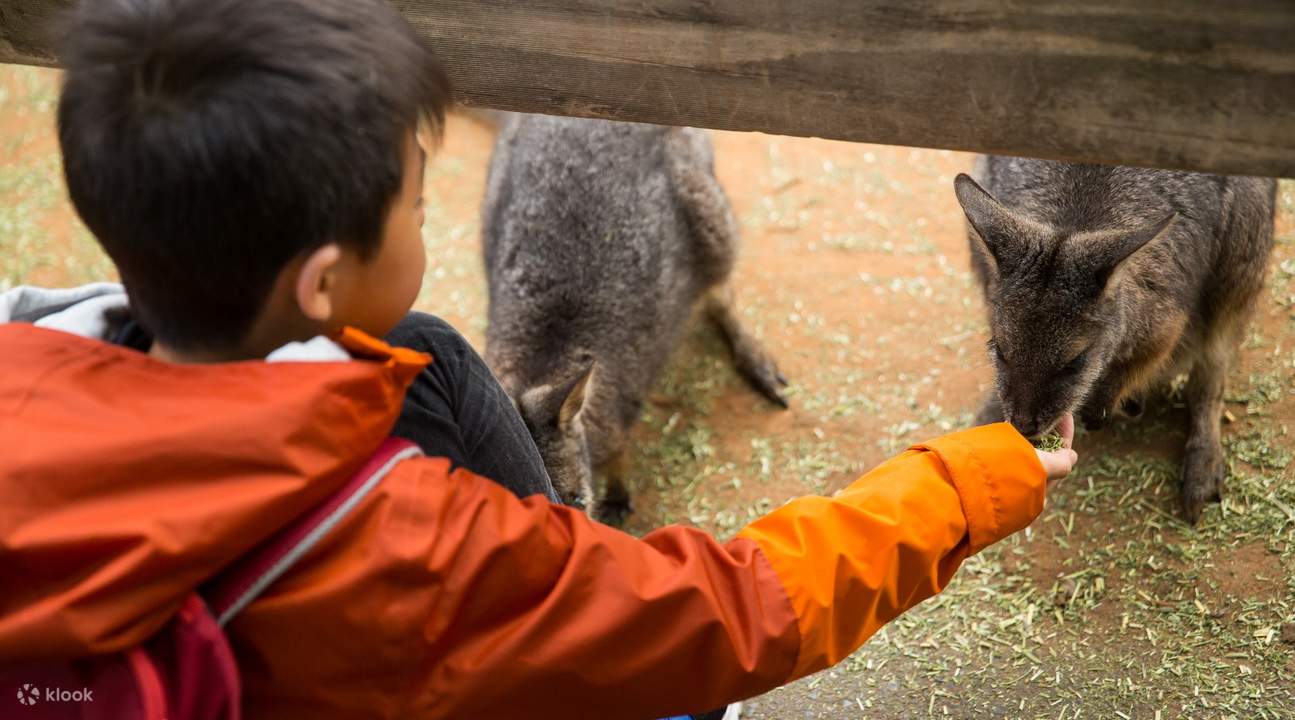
(854, 562)
(488, 607)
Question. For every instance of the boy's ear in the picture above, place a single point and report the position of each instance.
(317, 282)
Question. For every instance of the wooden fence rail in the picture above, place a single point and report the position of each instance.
(1195, 84)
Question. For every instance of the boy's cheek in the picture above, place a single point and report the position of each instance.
(406, 280)
(415, 271)
(383, 291)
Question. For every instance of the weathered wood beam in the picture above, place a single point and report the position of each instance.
(27, 31)
(1195, 84)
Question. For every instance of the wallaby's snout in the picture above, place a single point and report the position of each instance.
(1027, 424)
(1034, 392)
(1035, 416)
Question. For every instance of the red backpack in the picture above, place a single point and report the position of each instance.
(187, 670)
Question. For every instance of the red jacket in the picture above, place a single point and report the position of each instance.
(125, 482)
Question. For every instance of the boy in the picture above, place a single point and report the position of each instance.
(252, 168)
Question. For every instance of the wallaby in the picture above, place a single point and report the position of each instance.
(1102, 280)
(600, 238)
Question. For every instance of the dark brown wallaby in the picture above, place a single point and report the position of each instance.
(600, 238)
(1101, 281)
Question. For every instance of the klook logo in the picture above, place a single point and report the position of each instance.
(29, 694)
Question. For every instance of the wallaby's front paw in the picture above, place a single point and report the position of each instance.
(1203, 475)
(1094, 419)
(614, 508)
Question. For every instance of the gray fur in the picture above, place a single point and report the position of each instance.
(600, 238)
(1145, 273)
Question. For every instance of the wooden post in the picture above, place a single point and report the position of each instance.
(1196, 84)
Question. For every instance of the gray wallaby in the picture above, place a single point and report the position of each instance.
(1101, 281)
(600, 238)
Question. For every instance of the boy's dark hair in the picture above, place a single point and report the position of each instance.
(207, 143)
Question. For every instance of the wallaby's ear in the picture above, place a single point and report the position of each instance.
(1115, 259)
(575, 396)
(558, 404)
(993, 222)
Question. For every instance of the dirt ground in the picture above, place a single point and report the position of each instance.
(855, 274)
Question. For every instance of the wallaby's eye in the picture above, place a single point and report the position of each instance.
(1075, 366)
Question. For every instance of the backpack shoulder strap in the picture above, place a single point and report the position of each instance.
(249, 576)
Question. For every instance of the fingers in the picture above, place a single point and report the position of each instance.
(1066, 429)
(1058, 464)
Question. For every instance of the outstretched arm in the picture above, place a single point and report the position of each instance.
(538, 602)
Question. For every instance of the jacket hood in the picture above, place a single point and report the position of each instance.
(126, 482)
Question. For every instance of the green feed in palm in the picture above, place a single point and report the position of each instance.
(1050, 442)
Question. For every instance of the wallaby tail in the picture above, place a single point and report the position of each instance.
(752, 360)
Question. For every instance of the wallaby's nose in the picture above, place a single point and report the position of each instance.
(1027, 426)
